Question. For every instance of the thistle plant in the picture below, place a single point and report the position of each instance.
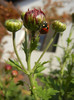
(33, 21)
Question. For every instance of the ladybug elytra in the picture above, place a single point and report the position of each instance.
(44, 28)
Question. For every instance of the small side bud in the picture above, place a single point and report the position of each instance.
(14, 73)
(22, 15)
(8, 68)
(58, 26)
(13, 25)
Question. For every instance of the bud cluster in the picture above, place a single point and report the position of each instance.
(8, 68)
(34, 20)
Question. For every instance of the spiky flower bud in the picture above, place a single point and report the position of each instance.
(58, 26)
(14, 73)
(13, 25)
(8, 67)
(33, 19)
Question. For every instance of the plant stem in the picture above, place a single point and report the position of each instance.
(33, 87)
(62, 68)
(17, 53)
(68, 82)
(28, 62)
(45, 50)
(31, 77)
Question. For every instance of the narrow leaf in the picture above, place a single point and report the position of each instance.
(14, 64)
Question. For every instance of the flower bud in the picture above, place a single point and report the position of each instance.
(8, 67)
(58, 26)
(22, 15)
(33, 19)
(14, 73)
(13, 25)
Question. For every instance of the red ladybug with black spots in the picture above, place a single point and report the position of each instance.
(44, 28)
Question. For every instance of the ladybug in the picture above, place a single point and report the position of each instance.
(44, 28)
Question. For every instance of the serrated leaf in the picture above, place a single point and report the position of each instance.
(44, 93)
(51, 91)
(34, 43)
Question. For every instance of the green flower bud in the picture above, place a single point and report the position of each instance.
(33, 19)
(58, 26)
(22, 15)
(13, 25)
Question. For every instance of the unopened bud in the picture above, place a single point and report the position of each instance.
(58, 26)
(33, 19)
(8, 67)
(13, 25)
(14, 73)
(22, 15)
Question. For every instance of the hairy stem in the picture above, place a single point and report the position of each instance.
(17, 53)
(44, 51)
(31, 78)
(33, 90)
(28, 61)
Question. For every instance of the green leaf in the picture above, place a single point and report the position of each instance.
(40, 67)
(72, 81)
(68, 40)
(44, 93)
(45, 62)
(1, 85)
(58, 58)
(20, 82)
(14, 64)
(34, 43)
(58, 46)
